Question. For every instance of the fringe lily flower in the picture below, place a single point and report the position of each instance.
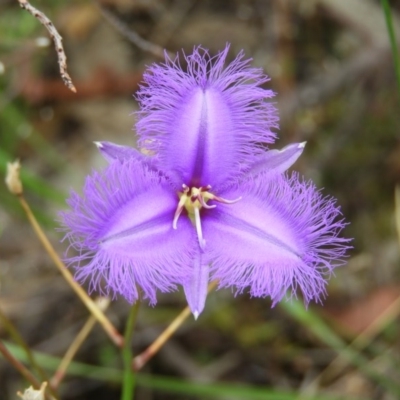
(204, 199)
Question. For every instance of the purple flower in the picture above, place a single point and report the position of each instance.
(204, 199)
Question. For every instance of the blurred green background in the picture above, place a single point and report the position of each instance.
(331, 65)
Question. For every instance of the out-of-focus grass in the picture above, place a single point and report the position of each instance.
(392, 37)
(12, 118)
(33, 185)
(314, 323)
(16, 25)
(18, 131)
(168, 384)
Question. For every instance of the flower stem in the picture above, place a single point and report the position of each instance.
(89, 303)
(145, 356)
(128, 382)
(393, 42)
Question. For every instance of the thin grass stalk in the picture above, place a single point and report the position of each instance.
(15, 186)
(140, 360)
(89, 303)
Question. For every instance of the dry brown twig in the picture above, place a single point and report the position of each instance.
(57, 39)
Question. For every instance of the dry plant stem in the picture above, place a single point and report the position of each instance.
(57, 39)
(59, 375)
(140, 360)
(21, 369)
(18, 338)
(132, 36)
(89, 303)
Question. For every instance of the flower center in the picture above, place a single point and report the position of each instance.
(193, 200)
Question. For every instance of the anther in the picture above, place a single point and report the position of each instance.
(178, 213)
(199, 231)
(204, 204)
(181, 206)
(211, 196)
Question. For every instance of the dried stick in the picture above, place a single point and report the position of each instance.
(132, 36)
(15, 186)
(57, 39)
(58, 376)
(140, 360)
(89, 303)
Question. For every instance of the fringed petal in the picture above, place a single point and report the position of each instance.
(276, 161)
(196, 285)
(206, 123)
(281, 236)
(111, 152)
(122, 230)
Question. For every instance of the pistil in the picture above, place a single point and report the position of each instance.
(193, 200)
